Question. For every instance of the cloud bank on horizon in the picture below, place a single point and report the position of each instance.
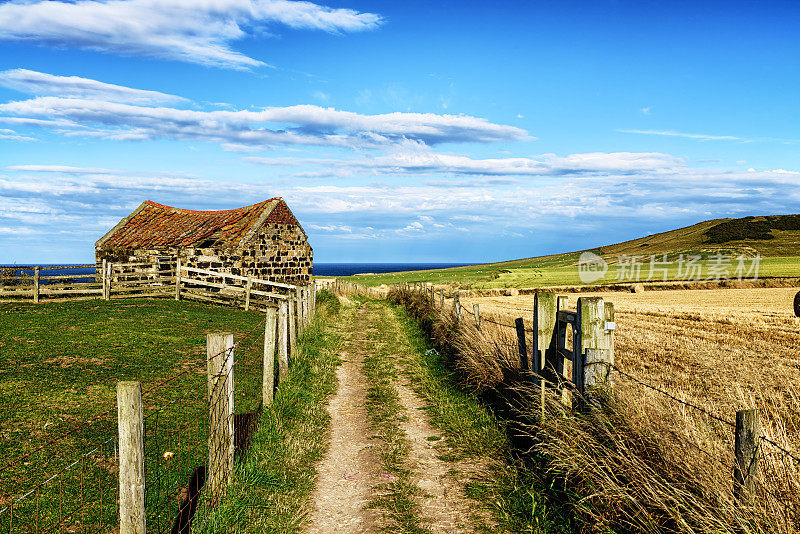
(386, 173)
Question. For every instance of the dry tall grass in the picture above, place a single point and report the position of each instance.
(645, 462)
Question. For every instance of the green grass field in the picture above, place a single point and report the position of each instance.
(59, 366)
(630, 261)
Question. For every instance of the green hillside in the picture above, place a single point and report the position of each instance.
(725, 247)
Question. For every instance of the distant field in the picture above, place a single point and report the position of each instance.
(562, 270)
(776, 239)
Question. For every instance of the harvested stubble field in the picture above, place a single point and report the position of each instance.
(720, 350)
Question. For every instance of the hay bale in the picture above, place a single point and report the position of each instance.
(637, 288)
(511, 292)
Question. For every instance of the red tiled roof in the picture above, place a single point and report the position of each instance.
(154, 225)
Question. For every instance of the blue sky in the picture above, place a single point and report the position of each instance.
(397, 131)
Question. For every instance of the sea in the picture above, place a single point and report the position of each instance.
(320, 269)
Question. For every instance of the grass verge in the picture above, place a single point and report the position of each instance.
(271, 486)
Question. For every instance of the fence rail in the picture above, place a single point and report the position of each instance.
(142, 279)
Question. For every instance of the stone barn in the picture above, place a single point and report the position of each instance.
(264, 240)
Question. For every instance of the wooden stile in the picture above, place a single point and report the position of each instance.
(219, 350)
(130, 426)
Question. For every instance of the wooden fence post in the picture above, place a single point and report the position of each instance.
(544, 335)
(314, 301)
(130, 427)
(477, 313)
(219, 351)
(746, 452)
(283, 340)
(457, 306)
(441, 299)
(590, 334)
(609, 328)
(268, 382)
(306, 306)
(293, 326)
(36, 284)
(298, 311)
(522, 347)
(247, 289)
(560, 338)
(110, 267)
(178, 279)
(103, 278)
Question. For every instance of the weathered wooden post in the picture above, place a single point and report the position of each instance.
(544, 339)
(36, 284)
(109, 276)
(522, 348)
(746, 453)
(283, 340)
(457, 306)
(609, 327)
(219, 351)
(178, 279)
(247, 289)
(298, 311)
(477, 313)
(292, 320)
(590, 334)
(306, 306)
(441, 300)
(130, 427)
(560, 336)
(268, 381)
(103, 279)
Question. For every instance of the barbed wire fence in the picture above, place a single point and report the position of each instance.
(156, 456)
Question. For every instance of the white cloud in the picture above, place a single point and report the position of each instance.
(670, 133)
(181, 30)
(11, 135)
(293, 125)
(646, 110)
(42, 84)
(65, 169)
(421, 160)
